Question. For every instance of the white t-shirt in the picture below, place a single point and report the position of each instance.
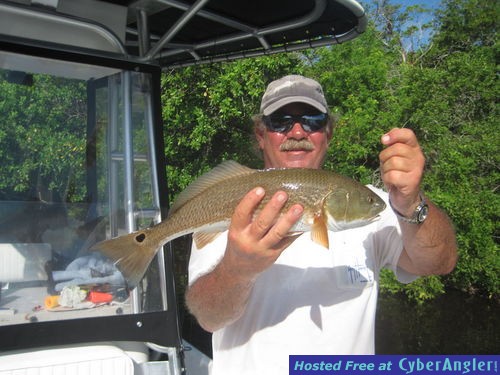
(311, 301)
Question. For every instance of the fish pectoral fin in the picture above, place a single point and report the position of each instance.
(201, 239)
(319, 231)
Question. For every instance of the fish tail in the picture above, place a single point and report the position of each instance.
(130, 253)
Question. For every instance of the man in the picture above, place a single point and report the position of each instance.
(265, 295)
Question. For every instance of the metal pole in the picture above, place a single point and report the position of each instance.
(128, 153)
(175, 29)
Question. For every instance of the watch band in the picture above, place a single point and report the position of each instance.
(419, 215)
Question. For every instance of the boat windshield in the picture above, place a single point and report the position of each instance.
(76, 168)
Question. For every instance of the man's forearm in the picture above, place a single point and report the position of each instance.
(430, 247)
(218, 298)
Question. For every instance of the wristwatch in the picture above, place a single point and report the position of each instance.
(419, 215)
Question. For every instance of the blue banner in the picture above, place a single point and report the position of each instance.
(393, 364)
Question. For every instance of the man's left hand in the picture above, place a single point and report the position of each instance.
(402, 164)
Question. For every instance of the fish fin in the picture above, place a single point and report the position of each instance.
(201, 239)
(223, 171)
(131, 254)
(319, 231)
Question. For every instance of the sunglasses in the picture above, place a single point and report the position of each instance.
(282, 123)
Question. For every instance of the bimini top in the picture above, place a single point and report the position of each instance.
(186, 32)
(183, 33)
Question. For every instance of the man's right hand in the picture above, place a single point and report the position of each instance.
(256, 239)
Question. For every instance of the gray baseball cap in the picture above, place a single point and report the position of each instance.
(292, 89)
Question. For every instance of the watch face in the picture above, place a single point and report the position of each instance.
(422, 215)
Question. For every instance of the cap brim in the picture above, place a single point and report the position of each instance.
(293, 99)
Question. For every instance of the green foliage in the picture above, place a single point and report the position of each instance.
(453, 104)
(42, 138)
(357, 77)
(465, 24)
(207, 114)
(445, 91)
(420, 290)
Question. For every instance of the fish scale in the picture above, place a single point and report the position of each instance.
(220, 201)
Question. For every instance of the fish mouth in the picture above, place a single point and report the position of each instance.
(367, 220)
(349, 224)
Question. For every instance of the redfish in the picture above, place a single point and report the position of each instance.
(205, 207)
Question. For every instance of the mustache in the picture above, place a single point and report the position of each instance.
(296, 145)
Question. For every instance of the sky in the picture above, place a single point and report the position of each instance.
(426, 3)
(424, 36)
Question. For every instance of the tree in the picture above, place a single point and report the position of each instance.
(445, 91)
(42, 139)
(356, 78)
(463, 25)
(207, 114)
(449, 100)
(464, 160)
